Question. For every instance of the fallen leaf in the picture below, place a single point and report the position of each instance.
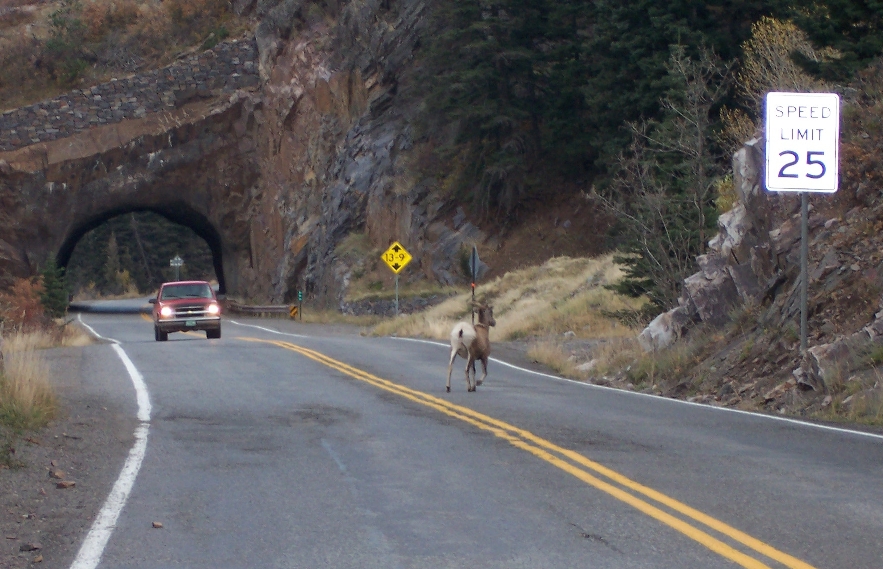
(58, 474)
(65, 484)
(33, 546)
(157, 525)
(38, 559)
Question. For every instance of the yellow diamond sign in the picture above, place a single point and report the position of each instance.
(396, 257)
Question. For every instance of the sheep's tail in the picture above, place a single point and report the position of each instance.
(461, 333)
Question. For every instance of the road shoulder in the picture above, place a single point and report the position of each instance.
(86, 445)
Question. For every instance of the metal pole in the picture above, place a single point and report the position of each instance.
(804, 270)
(474, 266)
(397, 295)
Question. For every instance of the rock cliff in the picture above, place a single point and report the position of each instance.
(272, 148)
(750, 278)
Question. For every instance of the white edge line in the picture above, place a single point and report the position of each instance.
(660, 398)
(105, 522)
(269, 330)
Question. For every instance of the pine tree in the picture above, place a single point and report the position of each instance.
(486, 88)
(852, 29)
(55, 294)
(664, 190)
(112, 266)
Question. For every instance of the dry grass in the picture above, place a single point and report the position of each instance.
(562, 295)
(310, 316)
(27, 400)
(557, 358)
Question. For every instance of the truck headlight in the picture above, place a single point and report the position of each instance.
(214, 309)
(166, 311)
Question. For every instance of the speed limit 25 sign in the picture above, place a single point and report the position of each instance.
(802, 140)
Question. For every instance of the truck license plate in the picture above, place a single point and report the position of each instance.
(190, 323)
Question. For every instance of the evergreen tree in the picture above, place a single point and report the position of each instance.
(853, 29)
(112, 266)
(55, 293)
(664, 190)
(486, 89)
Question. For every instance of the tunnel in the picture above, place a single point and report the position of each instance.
(179, 213)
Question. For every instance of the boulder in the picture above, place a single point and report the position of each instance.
(712, 290)
(665, 329)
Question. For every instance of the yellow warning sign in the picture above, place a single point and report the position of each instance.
(396, 257)
(293, 311)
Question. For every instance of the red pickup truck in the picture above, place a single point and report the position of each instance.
(183, 306)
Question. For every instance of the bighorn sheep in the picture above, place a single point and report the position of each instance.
(472, 343)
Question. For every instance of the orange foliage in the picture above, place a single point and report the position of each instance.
(94, 17)
(20, 307)
(184, 11)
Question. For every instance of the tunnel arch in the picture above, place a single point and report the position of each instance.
(177, 212)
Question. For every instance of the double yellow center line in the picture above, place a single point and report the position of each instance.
(616, 485)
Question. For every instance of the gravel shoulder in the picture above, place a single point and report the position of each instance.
(87, 444)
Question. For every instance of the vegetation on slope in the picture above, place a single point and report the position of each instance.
(47, 48)
(27, 400)
(525, 97)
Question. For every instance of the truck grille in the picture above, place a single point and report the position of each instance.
(194, 311)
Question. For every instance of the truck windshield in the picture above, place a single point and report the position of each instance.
(186, 291)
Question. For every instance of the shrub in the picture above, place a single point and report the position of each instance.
(768, 64)
(21, 308)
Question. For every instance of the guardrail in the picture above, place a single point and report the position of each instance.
(289, 309)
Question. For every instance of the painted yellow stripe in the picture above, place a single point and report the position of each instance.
(541, 448)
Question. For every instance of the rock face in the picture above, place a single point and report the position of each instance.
(740, 264)
(754, 262)
(272, 150)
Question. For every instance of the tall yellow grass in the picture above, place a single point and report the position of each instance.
(27, 400)
(564, 294)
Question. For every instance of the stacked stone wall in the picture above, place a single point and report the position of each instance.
(226, 68)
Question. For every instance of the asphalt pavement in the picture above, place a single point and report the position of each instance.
(291, 445)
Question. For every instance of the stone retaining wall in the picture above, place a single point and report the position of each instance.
(224, 69)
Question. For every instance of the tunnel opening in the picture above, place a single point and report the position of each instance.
(130, 248)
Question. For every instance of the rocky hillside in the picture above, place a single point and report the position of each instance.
(736, 331)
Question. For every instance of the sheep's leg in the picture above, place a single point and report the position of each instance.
(450, 368)
(483, 370)
(469, 385)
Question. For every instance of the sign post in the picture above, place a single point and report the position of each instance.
(473, 267)
(802, 144)
(176, 262)
(396, 258)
